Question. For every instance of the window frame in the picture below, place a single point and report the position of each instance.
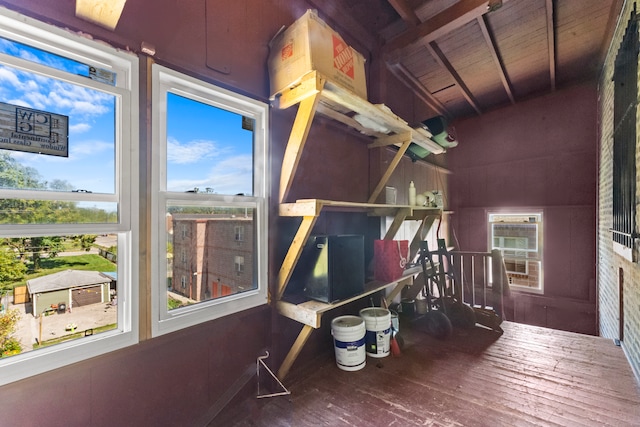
(33, 33)
(165, 80)
(539, 250)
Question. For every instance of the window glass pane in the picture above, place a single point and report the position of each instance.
(518, 236)
(21, 211)
(205, 260)
(209, 149)
(58, 289)
(57, 62)
(33, 134)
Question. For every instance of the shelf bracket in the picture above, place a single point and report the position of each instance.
(303, 336)
(420, 235)
(299, 134)
(293, 254)
(405, 140)
(398, 219)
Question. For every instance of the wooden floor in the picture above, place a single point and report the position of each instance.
(528, 376)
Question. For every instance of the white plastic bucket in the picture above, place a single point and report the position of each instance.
(348, 340)
(378, 337)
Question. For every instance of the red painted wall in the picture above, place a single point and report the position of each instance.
(540, 154)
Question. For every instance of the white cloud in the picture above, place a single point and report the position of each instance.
(191, 152)
(20, 103)
(8, 76)
(84, 148)
(79, 128)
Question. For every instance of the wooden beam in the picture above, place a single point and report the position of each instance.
(444, 22)
(552, 43)
(407, 14)
(398, 220)
(440, 57)
(418, 88)
(105, 13)
(392, 166)
(293, 254)
(491, 44)
(297, 140)
(303, 336)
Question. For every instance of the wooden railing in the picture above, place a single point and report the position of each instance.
(480, 278)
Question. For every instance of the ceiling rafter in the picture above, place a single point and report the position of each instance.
(442, 23)
(551, 39)
(418, 88)
(411, 19)
(407, 14)
(440, 57)
(491, 44)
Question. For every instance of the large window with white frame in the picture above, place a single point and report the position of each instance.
(209, 195)
(68, 198)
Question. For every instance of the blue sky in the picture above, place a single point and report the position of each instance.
(206, 146)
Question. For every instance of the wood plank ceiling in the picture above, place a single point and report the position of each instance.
(470, 56)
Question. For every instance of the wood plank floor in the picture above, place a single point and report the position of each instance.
(529, 376)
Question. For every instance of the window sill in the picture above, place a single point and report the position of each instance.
(526, 290)
(623, 251)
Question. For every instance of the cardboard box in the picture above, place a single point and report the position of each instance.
(310, 44)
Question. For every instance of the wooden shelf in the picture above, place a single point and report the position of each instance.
(315, 94)
(310, 209)
(310, 312)
(313, 207)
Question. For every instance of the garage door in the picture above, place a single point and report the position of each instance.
(86, 296)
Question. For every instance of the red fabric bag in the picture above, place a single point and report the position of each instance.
(389, 259)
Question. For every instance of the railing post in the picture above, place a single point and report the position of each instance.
(500, 280)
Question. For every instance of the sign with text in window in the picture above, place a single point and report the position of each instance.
(34, 131)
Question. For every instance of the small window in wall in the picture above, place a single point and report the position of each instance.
(68, 198)
(519, 238)
(239, 262)
(239, 233)
(625, 79)
(210, 177)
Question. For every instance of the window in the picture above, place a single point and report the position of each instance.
(625, 95)
(68, 108)
(239, 232)
(519, 238)
(210, 176)
(239, 262)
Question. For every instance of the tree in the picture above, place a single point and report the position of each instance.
(8, 323)
(14, 175)
(36, 246)
(11, 269)
(85, 240)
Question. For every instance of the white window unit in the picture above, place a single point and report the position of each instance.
(519, 237)
(91, 189)
(207, 137)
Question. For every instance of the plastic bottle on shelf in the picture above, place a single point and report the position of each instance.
(412, 194)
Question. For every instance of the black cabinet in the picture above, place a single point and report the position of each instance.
(331, 268)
